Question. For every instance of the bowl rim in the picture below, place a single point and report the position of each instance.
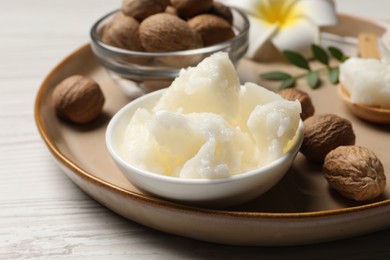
(213, 48)
(135, 104)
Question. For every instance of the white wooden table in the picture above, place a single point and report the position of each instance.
(42, 213)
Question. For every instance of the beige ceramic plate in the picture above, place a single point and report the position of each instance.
(300, 209)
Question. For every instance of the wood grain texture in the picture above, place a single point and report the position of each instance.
(42, 213)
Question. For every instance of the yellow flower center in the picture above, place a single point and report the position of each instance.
(280, 12)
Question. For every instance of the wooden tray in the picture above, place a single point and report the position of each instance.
(300, 209)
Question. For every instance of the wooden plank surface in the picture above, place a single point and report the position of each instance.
(42, 213)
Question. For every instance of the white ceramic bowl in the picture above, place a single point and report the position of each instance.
(215, 193)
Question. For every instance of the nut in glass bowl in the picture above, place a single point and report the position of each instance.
(141, 72)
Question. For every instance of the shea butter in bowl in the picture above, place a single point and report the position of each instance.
(206, 140)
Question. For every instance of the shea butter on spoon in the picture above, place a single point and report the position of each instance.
(365, 82)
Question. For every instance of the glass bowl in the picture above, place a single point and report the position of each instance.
(144, 72)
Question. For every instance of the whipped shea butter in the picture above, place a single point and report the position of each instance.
(206, 125)
(367, 81)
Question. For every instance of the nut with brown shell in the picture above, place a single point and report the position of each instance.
(165, 32)
(213, 29)
(304, 98)
(78, 99)
(355, 172)
(171, 10)
(190, 8)
(122, 32)
(323, 133)
(223, 11)
(140, 9)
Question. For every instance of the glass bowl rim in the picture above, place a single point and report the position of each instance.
(213, 48)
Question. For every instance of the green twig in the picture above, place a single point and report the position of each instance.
(311, 76)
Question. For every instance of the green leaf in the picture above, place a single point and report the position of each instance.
(337, 54)
(313, 79)
(297, 59)
(287, 83)
(275, 75)
(333, 75)
(320, 54)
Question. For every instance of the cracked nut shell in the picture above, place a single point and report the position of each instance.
(355, 172)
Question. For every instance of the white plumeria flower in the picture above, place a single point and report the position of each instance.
(288, 24)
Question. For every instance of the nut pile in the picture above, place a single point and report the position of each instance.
(354, 172)
(169, 25)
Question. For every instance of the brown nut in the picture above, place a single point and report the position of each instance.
(190, 8)
(323, 133)
(304, 98)
(165, 32)
(171, 10)
(140, 9)
(223, 11)
(213, 29)
(122, 32)
(355, 172)
(78, 99)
